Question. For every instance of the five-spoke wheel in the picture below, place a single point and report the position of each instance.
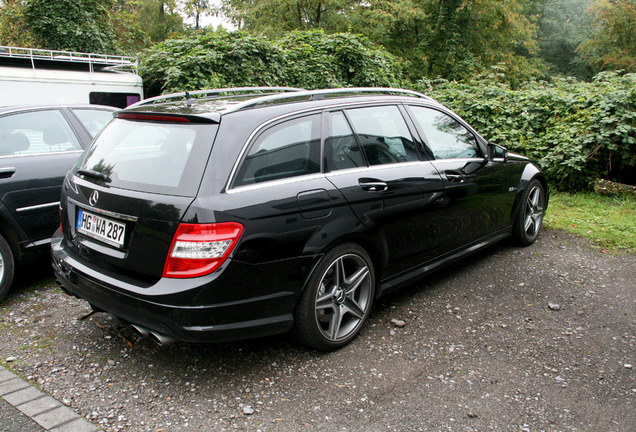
(337, 300)
(530, 216)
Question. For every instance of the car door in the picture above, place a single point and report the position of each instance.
(374, 161)
(478, 191)
(37, 148)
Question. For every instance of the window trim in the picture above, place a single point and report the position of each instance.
(256, 133)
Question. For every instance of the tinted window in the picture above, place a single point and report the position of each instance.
(341, 145)
(383, 134)
(446, 137)
(119, 100)
(288, 149)
(36, 132)
(93, 120)
(151, 157)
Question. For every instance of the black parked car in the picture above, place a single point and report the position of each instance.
(229, 214)
(38, 145)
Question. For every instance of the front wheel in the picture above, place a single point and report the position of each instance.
(530, 216)
(337, 300)
(7, 267)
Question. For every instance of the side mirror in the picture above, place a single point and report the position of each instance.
(497, 153)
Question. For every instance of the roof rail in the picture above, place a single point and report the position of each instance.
(317, 94)
(94, 61)
(187, 95)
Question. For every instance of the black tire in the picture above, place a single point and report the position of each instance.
(530, 215)
(337, 300)
(7, 267)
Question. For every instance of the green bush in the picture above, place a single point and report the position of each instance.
(304, 59)
(578, 131)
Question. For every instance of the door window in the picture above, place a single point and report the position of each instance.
(341, 145)
(447, 138)
(289, 149)
(36, 132)
(383, 134)
(93, 120)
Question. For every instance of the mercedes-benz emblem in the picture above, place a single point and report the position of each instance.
(93, 198)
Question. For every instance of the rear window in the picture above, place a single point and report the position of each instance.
(164, 158)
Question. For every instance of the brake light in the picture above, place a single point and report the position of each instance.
(153, 117)
(199, 249)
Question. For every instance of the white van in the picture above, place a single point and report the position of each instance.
(36, 77)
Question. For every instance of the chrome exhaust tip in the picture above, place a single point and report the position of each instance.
(160, 339)
(141, 331)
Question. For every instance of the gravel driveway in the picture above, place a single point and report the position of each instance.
(541, 338)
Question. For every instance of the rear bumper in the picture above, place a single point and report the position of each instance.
(237, 302)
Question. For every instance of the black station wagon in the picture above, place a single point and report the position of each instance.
(38, 145)
(236, 213)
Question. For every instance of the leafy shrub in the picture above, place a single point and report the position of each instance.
(305, 59)
(577, 131)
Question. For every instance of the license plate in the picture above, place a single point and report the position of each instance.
(101, 228)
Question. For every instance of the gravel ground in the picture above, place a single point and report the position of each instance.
(541, 338)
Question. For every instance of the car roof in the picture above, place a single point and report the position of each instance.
(15, 108)
(216, 102)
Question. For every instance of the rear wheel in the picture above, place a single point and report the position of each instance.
(7, 267)
(337, 301)
(530, 216)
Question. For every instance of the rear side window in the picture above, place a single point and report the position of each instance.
(164, 158)
(288, 149)
(36, 132)
(383, 134)
(341, 145)
(447, 138)
(92, 119)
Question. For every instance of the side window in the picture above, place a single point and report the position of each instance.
(446, 137)
(383, 134)
(93, 120)
(288, 149)
(36, 132)
(342, 148)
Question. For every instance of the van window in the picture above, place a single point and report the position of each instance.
(288, 149)
(119, 100)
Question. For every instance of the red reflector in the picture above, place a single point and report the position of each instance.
(199, 249)
(152, 117)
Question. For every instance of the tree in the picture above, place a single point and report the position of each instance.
(275, 17)
(159, 19)
(13, 26)
(195, 9)
(74, 25)
(563, 26)
(613, 46)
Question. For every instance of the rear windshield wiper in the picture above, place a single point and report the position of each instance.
(95, 174)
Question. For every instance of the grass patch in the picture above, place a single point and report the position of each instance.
(608, 221)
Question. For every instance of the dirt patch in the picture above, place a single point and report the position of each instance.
(541, 338)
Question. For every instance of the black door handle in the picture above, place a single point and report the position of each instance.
(372, 185)
(7, 172)
(454, 176)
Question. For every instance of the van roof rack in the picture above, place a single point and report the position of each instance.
(324, 93)
(195, 95)
(18, 56)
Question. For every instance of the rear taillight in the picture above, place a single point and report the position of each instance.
(199, 249)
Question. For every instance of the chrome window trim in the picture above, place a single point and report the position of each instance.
(38, 207)
(273, 183)
(43, 154)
